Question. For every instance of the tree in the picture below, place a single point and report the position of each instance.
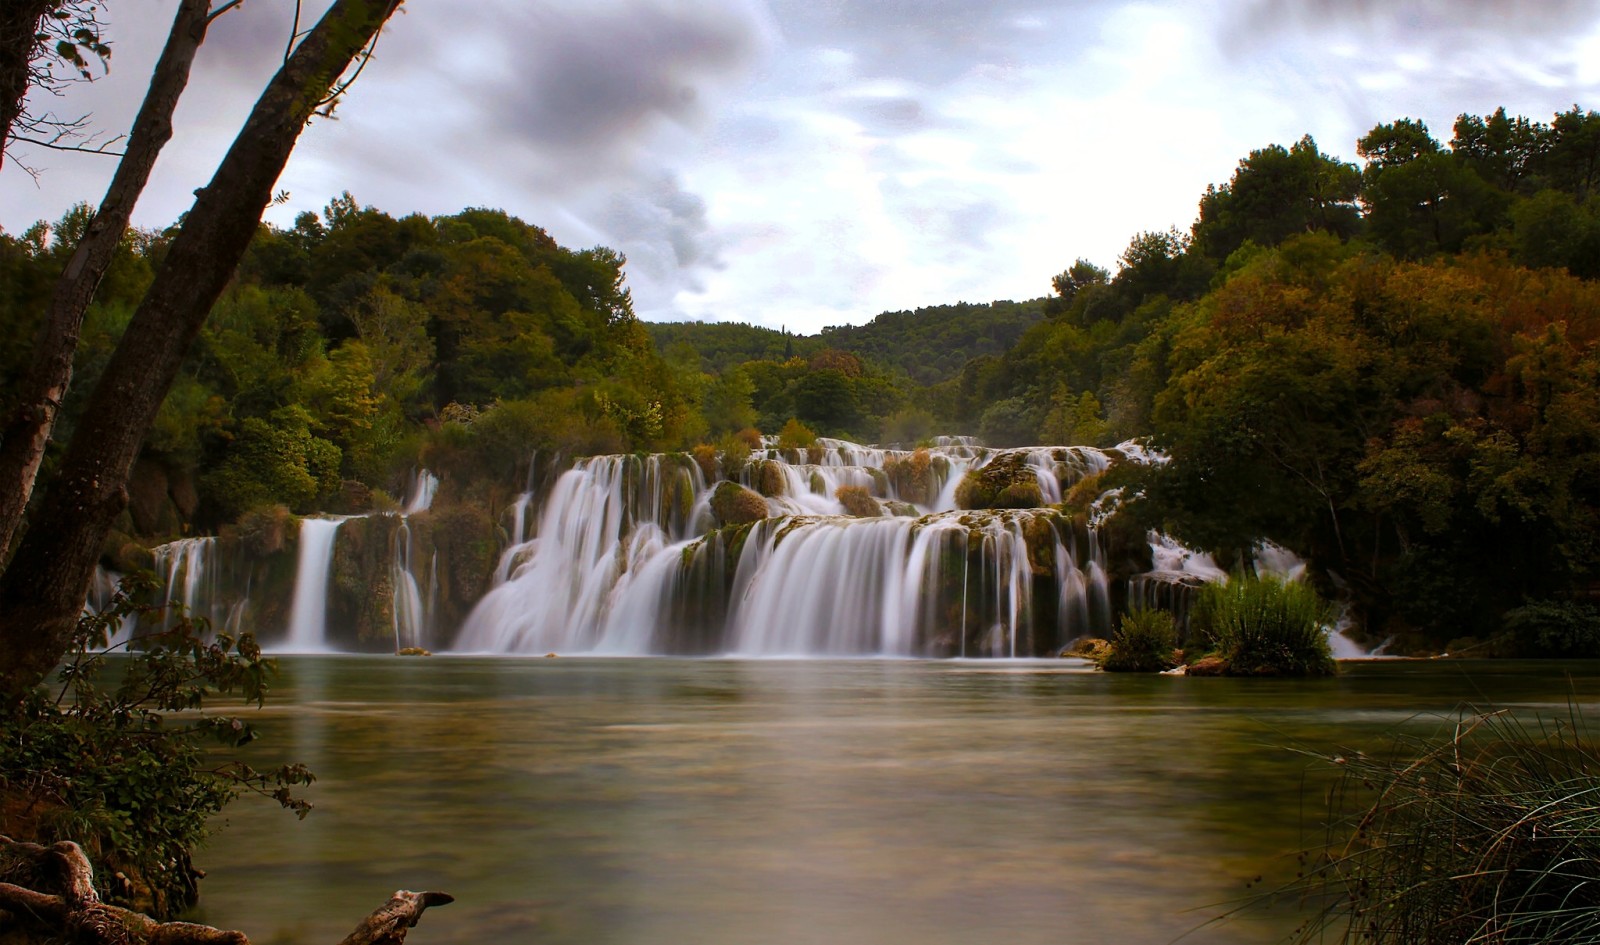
(1420, 198)
(1572, 159)
(1080, 276)
(23, 440)
(1502, 150)
(43, 588)
(1276, 193)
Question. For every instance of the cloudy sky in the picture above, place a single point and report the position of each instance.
(814, 162)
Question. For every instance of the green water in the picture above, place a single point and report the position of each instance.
(798, 802)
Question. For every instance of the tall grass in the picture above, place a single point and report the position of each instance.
(1491, 836)
(1264, 626)
(1143, 643)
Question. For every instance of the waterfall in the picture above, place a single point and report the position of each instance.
(623, 555)
(308, 613)
(419, 494)
(410, 620)
(102, 589)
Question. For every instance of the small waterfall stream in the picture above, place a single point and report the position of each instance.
(308, 614)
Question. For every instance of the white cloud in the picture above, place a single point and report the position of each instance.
(803, 163)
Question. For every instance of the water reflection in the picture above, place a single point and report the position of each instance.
(797, 802)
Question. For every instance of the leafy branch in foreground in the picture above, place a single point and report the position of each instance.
(1492, 836)
(117, 758)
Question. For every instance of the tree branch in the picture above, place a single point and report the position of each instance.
(40, 142)
(70, 908)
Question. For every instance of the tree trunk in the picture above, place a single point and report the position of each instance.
(43, 588)
(23, 440)
(60, 901)
(19, 22)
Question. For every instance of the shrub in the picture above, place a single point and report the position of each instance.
(858, 501)
(705, 456)
(1555, 629)
(1144, 643)
(796, 436)
(733, 504)
(1265, 627)
(735, 450)
(113, 768)
(1492, 835)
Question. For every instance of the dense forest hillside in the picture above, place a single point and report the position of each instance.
(722, 346)
(1390, 368)
(928, 345)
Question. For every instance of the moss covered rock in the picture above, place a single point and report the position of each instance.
(857, 501)
(733, 504)
(769, 479)
(1006, 482)
(361, 591)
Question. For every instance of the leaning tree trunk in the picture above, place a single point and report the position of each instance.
(23, 439)
(44, 586)
(50, 891)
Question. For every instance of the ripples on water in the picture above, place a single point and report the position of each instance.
(795, 802)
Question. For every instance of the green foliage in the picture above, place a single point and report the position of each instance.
(272, 461)
(727, 405)
(1265, 627)
(1561, 629)
(796, 436)
(909, 427)
(118, 760)
(1489, 834)
(1143, 643)
(1277, 193)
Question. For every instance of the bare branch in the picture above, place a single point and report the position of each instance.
(85, 149)
(231, 4)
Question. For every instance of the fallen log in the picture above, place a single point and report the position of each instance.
(49, 890)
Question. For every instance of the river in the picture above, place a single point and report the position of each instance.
(807, 802)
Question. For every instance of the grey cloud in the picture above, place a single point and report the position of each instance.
(1424, 24)
(663, 229)
(595, 77)
(894, 114)
(250, 39)
(937, 41)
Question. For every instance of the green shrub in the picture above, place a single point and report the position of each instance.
(1555, 629)
(1265, 627)
(1144, 643)
(1491, 835)
(111, 766)
(796, 436)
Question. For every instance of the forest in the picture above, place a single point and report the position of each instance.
(1389, 368)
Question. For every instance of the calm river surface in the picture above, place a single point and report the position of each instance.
(713, 802)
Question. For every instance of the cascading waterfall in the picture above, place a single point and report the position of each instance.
(624, 555)
(308, 614)
(624, 558)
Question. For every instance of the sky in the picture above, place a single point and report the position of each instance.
(804, 163)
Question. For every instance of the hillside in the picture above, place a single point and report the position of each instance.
(929, 344)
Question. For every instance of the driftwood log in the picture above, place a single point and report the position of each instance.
(49, 890)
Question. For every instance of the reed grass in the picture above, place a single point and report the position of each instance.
(1264, 626)
(1143, 643)
(1490, 836)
